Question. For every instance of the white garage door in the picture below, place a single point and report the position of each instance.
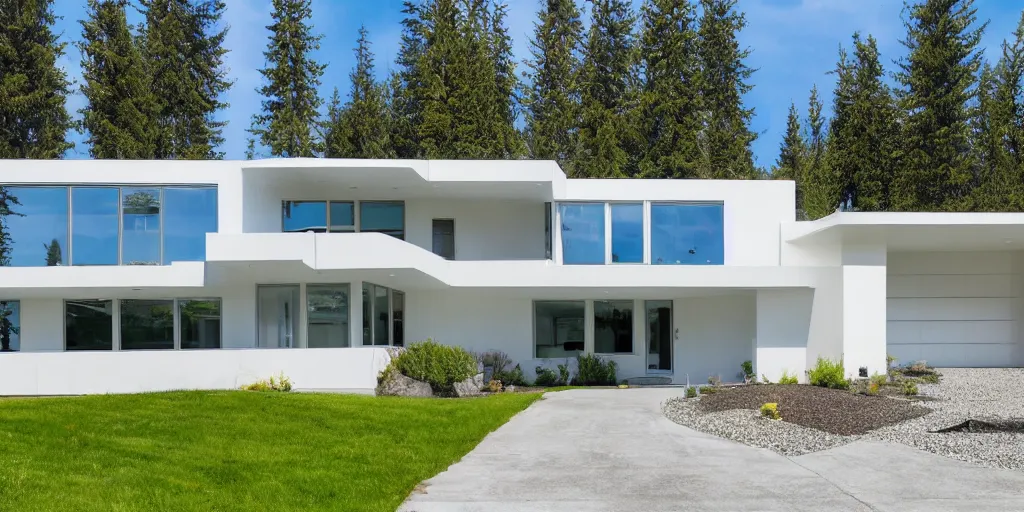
(954, 309)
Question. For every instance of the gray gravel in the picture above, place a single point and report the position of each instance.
(962, 394)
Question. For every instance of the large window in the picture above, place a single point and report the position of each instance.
(340, 217)
(613, 326)
(582, 231)
(199, 323)
(89, 325)
(558, 328)
(383, 314)
(94, 226)
(189, 213)
(327, 317)
(37, 225)
(687, 234)
(386, 217)
(147, 324)
(304, 216)
(627, 232)
(10, 326)
(140, 225)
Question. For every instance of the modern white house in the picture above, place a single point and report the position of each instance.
(124, 276)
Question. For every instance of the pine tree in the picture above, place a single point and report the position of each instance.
(937, 79)
(442, 72)
(506, 86)
(405, 86)
(552, 100)
(727, 137)
(819, 191)
(670, 99)
(122, 105)
(183, 47)
(54, 255)
(790, 164)
(33, 90)
(606, 85)
(362, 125)
(873, 130)
(287, 121)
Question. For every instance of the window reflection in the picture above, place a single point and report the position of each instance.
(582, 233)
(613, 326)
(199, 323)
(627, 233)
(301, 216)
(189, 214)
(386, 217)
(37, 226)
(94, 226)
(343, 216)
(147, 324)
(687, 234)
(88, 325)
(383, 313)
(558, 328)
(327, 316)
(140, 225)
(10, 326)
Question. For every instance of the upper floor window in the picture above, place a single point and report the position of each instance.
(443, 238)
(687, 234)
(10, 326)
(340, 217)
(582, 233)
(627, 232)
(106, 225)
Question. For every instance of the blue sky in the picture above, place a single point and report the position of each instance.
(794, 44)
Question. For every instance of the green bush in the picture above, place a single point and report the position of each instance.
(909, 388)
(748, 370)
(563, 374)
(546, 377)
(691, 392)
(828, 374)
(501, 367)
(771, 411)
(439, 365)
(591, 370)
(786, 378)
(279, 383)
(879, 379)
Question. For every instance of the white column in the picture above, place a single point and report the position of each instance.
(783, 319)
(588, 327)
(355, 314)
(864, 309)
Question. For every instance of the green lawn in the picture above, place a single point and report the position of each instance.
(233, 450)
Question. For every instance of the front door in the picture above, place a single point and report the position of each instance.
(277, 316)
(659, 336)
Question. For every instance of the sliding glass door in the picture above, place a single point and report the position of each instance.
(327, 324)
(659, 336)
(277, 315)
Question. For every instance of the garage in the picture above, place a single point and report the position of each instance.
(954, 309)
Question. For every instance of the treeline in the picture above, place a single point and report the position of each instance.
(652, 93)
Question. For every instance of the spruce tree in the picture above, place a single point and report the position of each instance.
(790, 164)
(442, 72)
(937, 79)
(288, 117)
(510, 143)
(185, 56)
(405, 85)
(819, 191)
(606, 83)
(671, 120)
(363, 122)
(122, 105)
(727, 137)
(337, 137)
(873, 141)
(841, 156)
(552, 100)
(33, 90)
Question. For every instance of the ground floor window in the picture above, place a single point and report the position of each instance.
(147, 324)
(383, 316)
(10, 326)
(142, 324)
(327, 323)
(89, 324)
(199, 323)
(558, 328)
(613, 326)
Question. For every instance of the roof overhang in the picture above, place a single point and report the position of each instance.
(913, 231)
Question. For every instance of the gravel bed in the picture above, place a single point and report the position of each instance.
(961, 395)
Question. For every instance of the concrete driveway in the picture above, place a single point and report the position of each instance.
(612, 450)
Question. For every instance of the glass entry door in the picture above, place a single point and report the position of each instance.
(277, 315)
(659, 336)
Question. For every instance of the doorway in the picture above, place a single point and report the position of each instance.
(659, 336)
(277, 316)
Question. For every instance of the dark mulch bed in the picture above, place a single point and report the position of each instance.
(834, 411)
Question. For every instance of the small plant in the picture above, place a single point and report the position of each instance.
(879, 379)
(563, 374)
(623, 386)
(764, 379)
(715, 380)
(909, 388)
(918, 367)
(828, 374)
(709, 390)
(691, 392)
(873, 388)
(279, 383)
(931, 378)
(494, 386)
(747, 369)
(546, 377)
(788, 379)
(591, 370)
(514, 377)
(771, 411)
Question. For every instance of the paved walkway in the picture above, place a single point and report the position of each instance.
(612, 450)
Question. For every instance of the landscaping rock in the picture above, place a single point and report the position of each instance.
(397, 384)
(470, 386)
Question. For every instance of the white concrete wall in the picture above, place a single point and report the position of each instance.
(783, 320)
(484, 230)
(955, 308)
(82, 373)
(716, 335)
(42, 325)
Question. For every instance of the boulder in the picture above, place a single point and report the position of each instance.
(396, 384)
(470, 386)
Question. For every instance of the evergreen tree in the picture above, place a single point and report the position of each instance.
(606, 85)
(727, 137)
(790, 164)
(54, 255)
(287, 121)
(185, 56)
(33, 90)
(671, 108)
(122, 105)
(841, 157)
(552, 100)
(873, 133)
(405, 86)
(363, 122)
(506, 85)
(937, 77)
(819, 191)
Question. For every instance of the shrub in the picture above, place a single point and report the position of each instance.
(748, 370)
(563, 374)
(918, 367)
(591, 370)
(514, 377)
(879, 379)
(930, 378)
(828, 374)
(873, 388)
(909, 388)
(771, 411)
(788, 379)
(691, 392)
(439, 365)
(764, 379)
(715, 380)
(708, 390)
(494, 386)
(279, 383)
(501, 367)
(546, 377)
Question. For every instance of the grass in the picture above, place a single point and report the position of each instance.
(234, 450)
